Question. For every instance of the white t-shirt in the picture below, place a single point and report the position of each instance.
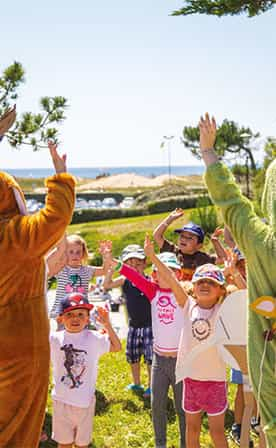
(198, 329)
(75, 365)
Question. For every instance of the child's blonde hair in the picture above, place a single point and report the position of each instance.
(81, 242)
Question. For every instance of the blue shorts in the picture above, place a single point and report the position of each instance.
(139, 342)
(236, 377)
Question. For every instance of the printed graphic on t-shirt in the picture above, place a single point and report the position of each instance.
(201, 329)
(187, 274)
(165, 309)
(74, 284)
(75, 363)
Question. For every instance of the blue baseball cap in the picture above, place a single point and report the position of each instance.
(193, 228)
(73, 301)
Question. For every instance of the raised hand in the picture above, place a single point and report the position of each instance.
(208, 131)
(175, 214)
(105, 248)
(148, 246)
(217, 233)
(230, 262)
(59, 162)
(102, 316)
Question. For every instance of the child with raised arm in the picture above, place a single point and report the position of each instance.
(167, 321)
(204, 378)
(75, 353)
(72, 271)
(139, 337)
(187, 249)
(24, 330)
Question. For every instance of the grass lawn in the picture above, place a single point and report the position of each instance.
(123, 418)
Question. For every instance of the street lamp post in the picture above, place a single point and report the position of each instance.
(168, 139)
(246, 137)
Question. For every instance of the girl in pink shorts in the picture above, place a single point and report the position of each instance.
(204, 377)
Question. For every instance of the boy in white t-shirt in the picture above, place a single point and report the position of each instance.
(75, 352)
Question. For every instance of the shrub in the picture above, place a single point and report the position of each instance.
(169, 204)
(94, 214)
(205, 215)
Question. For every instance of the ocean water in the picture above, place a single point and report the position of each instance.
(92, 172)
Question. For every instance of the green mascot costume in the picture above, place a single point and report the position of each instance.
(257, 240)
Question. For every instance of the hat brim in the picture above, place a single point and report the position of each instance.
(134, 255)
(209, 278)
(169, 265)
(188, 231)
(86, 306)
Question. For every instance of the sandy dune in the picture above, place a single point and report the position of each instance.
(131, 180)
(126, 180)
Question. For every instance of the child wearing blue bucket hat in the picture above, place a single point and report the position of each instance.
(188, 247)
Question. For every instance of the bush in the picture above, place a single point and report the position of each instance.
(169, 204)
(101, 214)
(205, 215)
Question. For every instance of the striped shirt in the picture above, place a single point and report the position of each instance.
(71, 280)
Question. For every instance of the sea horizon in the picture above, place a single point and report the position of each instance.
(93, 172)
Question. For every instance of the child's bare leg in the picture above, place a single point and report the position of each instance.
(216, 425)
(149, 374)
(193, 426)
(135, 370)
(239, 405)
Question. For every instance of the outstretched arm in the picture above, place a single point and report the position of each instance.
(219, 249)
(168, 275)
(109, 283)
(57, 258)
(238, 212)
(42, 230)
(230, 268)
(159, 231)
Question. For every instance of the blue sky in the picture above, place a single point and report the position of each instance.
(132, 74)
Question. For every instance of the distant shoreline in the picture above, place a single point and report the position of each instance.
(93, 172)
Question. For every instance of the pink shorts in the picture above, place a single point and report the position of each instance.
(204, 396)
(72, 424)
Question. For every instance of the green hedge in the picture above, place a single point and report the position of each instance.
(153, 207)
(169, 204)
(96, 214)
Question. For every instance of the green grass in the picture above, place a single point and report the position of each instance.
(123, 418)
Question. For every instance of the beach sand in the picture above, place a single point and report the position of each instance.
(131, 180)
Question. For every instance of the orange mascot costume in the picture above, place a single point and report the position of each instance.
(24, 325)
